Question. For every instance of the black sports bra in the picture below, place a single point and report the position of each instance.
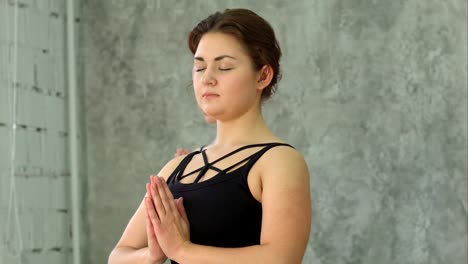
(221, 210)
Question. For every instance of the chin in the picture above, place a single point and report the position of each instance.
(210, 110)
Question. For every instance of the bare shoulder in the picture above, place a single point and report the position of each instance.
(284, 160)
(286, 201)
(170, 166)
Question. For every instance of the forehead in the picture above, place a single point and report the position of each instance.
(214, 44)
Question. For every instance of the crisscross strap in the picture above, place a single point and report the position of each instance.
(251, 159)
(180, 168)
(209, 164)
(257, 155)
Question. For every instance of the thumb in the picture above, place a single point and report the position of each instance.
(181, 208)
(151, 236)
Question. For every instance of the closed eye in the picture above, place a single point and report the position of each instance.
(199, 70)
(225, 69)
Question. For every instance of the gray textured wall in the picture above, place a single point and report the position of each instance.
(374, 95)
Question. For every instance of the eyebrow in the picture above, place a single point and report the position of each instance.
(216, 59)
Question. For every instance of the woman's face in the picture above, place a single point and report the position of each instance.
(225, 82)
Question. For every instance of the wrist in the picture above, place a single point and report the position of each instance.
(148, 259)
(182, 251)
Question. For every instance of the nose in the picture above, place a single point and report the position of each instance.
(208, 78)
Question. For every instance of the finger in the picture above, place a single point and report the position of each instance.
(181, 208)
(170, 199)
(181, 152)
(152, 214)
(166, 196)
(149, 192)
(149, 228)
(158, 205)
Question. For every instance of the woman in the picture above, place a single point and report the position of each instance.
(245, 197)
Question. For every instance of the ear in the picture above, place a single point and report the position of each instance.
(264, 76)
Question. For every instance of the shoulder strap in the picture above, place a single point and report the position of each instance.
(178, 173)
(179, 170)
(240, 149)
(209, 165)
(257, 156)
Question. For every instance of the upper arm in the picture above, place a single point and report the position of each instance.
(286, 203)
(134, 235)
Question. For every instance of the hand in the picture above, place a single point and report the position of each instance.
(168, 218)
(155, 252)
(181, 152)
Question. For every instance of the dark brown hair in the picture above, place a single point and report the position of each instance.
(254, 32)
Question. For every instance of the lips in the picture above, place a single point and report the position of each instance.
(209, 95)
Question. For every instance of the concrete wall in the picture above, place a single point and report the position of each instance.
(35, 208)
(374, 95)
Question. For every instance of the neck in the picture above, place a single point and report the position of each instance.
(249, 128)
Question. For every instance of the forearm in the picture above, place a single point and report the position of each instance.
(127, 255)
(193, 253)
